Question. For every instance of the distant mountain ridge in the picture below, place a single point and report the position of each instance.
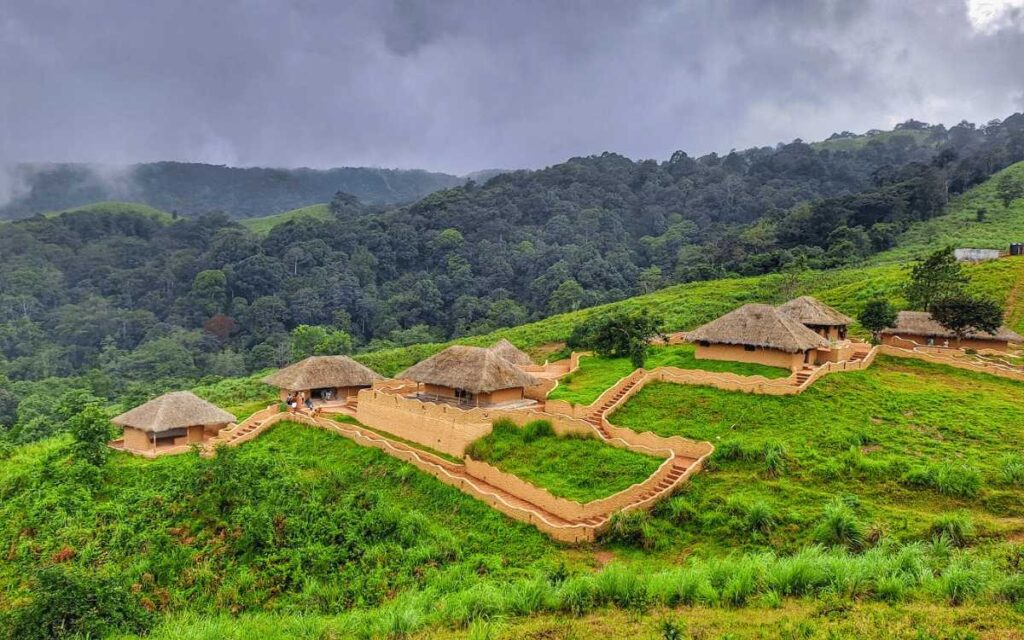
(194, 188)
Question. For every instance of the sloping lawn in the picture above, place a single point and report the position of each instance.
(575, 468)
(596, 374)
(904, 442)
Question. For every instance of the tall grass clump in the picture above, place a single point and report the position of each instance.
(839, 526)
(482, 601)
(632, 528)
(957, 527)
(622, 587)
(1011, 471)
(963, 580)
(577, 595)
(957, 480)
(536, 429)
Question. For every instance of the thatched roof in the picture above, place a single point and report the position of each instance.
(813, 312)
(510, 352)
(759, 325)
(321, 372)
(474, 369)
(920, 323)
(173, 410)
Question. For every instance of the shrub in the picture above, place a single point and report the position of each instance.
(71, 602)
(775, 459)
(537, 429)
(839, 526)
(670, 631)
(632, 528)
(957, 527)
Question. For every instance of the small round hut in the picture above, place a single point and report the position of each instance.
(325, 379)
(171, 420)
(817, 316)
(511, 352)
(469, 376)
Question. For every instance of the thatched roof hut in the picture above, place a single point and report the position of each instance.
(474, 369)
(320, 372)
(921, 323)
(813, 312)
(759, 325)
(510, 352)
(175, 410)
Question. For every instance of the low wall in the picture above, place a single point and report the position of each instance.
(953, 358)
(438, 426)
(562, 507)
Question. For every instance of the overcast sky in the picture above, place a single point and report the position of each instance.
(459, 86)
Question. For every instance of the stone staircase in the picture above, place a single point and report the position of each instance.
(803, 376)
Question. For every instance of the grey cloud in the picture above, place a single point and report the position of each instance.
(459, 86)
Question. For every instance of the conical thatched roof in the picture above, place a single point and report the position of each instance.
(474, 369)
(920, 323)
(759, 325)
(811, 311)
(321, 372)
(510, 352)
(173, 410)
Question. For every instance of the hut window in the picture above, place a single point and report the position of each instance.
(749, 347)
(704, 343)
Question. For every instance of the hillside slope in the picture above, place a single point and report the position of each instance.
(960, 225)
(193, 188)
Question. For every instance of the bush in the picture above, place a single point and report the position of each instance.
(633, 528)
(537, 429)
(961, 581)
(1012, 471)
(839, 526)
(71, 602)
(957, 527)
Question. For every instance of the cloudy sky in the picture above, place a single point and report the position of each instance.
(458, 86)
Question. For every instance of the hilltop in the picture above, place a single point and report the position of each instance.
(192, 189)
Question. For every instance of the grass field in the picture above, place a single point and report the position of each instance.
(264, 224)
(575, 468)
(904, 444)
(597, 374)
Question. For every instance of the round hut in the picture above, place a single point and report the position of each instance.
(758, 333)
(325, 379)
(511, 352)
(817, 316)
(174, 419)
(469, 376)
(915, 328)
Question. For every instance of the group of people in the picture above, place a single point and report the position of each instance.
(300, 399)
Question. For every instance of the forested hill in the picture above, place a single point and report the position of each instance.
(117, 295)
(193, 189)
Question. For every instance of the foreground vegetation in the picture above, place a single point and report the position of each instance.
(597, 374)
(575, 467)
(903, 449)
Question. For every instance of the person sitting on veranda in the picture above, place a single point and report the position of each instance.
(309, 404)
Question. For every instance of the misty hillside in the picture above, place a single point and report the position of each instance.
(194, 189)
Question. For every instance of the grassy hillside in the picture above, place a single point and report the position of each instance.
(120, 208)
(960, 226)
(263, 225)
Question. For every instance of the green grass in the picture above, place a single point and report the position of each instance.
(118, 208)
(596, 374)
(906, 441)
(263, 225)
(575, 468)
(960, 227)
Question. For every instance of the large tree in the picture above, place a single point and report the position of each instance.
(964, 315)
(1009, 188)
(937, 277)
(619, 334)
(878, 314)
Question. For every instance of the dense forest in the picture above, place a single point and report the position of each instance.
(194, 189)
(109, 301)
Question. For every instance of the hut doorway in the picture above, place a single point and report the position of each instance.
(465, 397)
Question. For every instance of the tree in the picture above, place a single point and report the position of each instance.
(1009, 188)
(878, 314)
(935, 278)
(90, 429)
(618, 334)
(964, 315)
(308, 340)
